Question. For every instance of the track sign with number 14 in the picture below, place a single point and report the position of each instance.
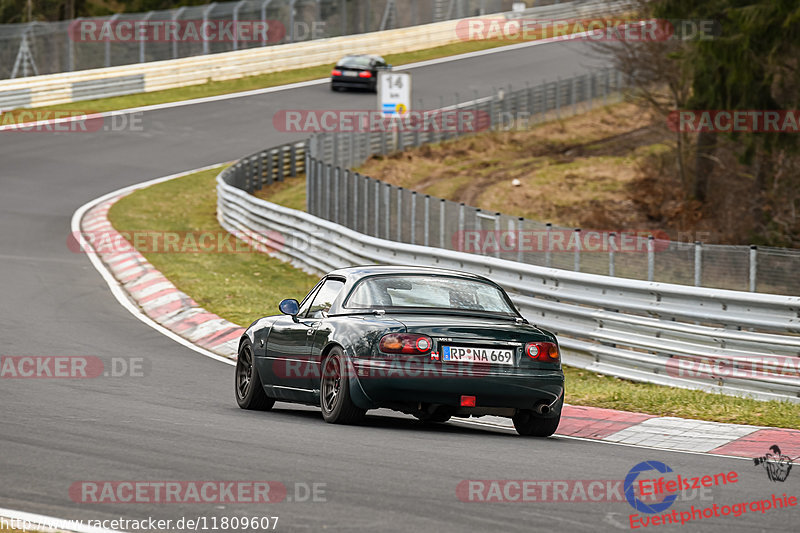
(394, 92)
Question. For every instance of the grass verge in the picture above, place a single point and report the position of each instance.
(242, 287)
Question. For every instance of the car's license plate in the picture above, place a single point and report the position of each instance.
(471, 354)
(350, 73)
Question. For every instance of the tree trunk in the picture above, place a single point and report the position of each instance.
(704, 165)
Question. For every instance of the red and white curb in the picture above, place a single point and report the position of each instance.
(157, 297)
(175, 314)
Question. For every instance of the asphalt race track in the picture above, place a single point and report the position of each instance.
(180, 420)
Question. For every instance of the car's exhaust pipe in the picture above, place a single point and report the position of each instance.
(542, 408)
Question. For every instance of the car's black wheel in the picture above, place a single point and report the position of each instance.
(335, 89)
(529, 424)
(249, 391)
(334, 390)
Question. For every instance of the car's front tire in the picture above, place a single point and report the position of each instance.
(334, 391)
(529, 424)
(249, 390)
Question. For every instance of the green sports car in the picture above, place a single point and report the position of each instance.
(428, 342)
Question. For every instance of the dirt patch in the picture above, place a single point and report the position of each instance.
(611, 168)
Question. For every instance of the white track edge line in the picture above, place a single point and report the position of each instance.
(39, 521)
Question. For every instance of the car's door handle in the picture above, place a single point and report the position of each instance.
(310, 332)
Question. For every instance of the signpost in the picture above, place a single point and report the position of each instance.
(394, 93)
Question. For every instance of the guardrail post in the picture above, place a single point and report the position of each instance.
(442, 204)
(327, 189)
(413, 225)
(591, 91)
(518, 239)
(543, 109)
(309, 184)
(377, 207)
(548, 248)
(206, 11)
(753, 265)
(577, 235)
(320, 196)
(558, 98)
(351, 149)
(259, 172)
(461, 213)
(651, 258)
(236, 22)
(355, 176)
(336, 183)
(388, 215)
(399, 214)
(612, 245)
(698, 263)
(335, 155)
(107, 51)
(605, 87)
(573, 97)
(345, 185)
(280, 162)
(270, 170)
(426, 221)
(384, 148)
(366, 209)
(293, 161)
(497, 233)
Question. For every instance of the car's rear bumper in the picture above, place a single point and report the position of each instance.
(352, 82)
(374, 384)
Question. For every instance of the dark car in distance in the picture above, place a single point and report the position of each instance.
(358, 72)
(429, 342)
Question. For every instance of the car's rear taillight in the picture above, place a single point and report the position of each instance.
(365, 74)
(406, 343)
(545, 352)
(335, 72)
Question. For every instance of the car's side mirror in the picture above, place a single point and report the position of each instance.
(290, 307)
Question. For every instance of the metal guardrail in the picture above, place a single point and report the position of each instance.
(654, 332)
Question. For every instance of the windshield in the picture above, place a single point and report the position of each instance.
(428, 292)
(355, 62)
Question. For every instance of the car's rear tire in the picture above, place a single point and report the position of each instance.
(529, 424)
(334, 391)
(249, 390)
(335, 89)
